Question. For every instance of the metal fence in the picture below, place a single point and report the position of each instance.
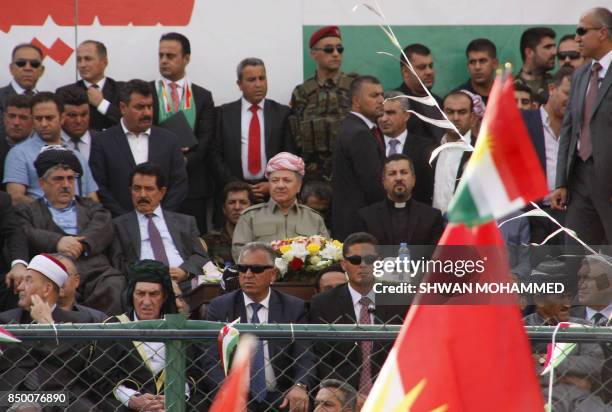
(91, 363)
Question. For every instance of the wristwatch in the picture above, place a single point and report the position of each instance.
(301, 385)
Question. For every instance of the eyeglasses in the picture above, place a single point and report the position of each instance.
(581, 31)
(356, 259)
(572, 55)
(257, 269)
(329, 49)
(35, 64)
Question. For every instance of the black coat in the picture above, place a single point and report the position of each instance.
(418, 149)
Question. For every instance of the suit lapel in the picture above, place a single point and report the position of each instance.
(240, 308)
(581, 88)
(267, 127)
(346, 303)
(173, 226)
(236, 130)
(123, 146)
(154, 146)
(133, 230)
(81, 214)
(605, 85)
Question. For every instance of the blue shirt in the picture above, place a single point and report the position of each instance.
(65, 218)
(19, 168)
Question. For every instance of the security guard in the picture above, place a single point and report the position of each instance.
(280, 217)
(321, 102)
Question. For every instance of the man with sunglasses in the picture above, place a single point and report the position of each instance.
(320, 104)
(356, 363)
(280, 371)
(584, 165)
(26, 68)
(568, 52)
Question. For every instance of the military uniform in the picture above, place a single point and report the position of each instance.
(539, 88)
(265, 222)
(219, 246)
(318, 109)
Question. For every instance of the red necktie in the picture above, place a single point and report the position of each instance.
(174, 95)
(365, 379)
(586, 146)
(378, 136)
(254, 142)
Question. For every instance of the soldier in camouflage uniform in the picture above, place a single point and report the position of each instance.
(320, 104)
(538, 51)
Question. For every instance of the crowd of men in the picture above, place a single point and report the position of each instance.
(118, 193)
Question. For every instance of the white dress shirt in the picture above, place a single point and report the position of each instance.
(139, 143)
(607, 312)
(104, 104)
(84, 143)
(551, 149)
(445, 175)
(400, 147)
(179, 89)
(367, 121)
(262, 315)
(245, 121)
(18, 89)
(356, 296)
(146, 251)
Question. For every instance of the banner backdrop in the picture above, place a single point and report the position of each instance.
(224, 32)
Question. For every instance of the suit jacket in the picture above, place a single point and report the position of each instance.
(291, 362)
(228, 140)
(5, 92)
(357, 171)
(416, 125)
(111, 163)
(110, 91)
(533, 121)
(4, 149)
(600, 121)
(424, 223)
(185, 235)
(343, 360)
(201, 183)
(418, 149)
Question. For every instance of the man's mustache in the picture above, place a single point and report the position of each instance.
(143, 200)
(146, 118)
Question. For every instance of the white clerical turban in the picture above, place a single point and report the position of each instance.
(50, 267)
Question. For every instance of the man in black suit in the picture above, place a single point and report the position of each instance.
(358, 362)
(139, 232)
(398, 140)
(102, 91)
(246, 142)
(174, 92)
(285, 379)
(584, 166)
(116, 152)
(400, 218)
(26, 68)
(358, 157)
(17, 125)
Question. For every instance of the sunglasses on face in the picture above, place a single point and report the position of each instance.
(257, 269)
(35, 64)
(572, 55)
(356, 259)
(581, 31)
(329, 49)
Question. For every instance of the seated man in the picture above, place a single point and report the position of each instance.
(136, 369)
(330, 277)
(237, 196)
(280, 370)
(45, 366)
(74, 226)
(152, 232)
(317, 195)
(400, 218)
(282, 216)
(335, 396)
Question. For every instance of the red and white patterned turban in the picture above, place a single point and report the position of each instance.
(285, 161)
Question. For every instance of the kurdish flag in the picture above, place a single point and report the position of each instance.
(6, 336)
(504, 172)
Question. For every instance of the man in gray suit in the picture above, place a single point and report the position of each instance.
(149, 232)
(584, 165)
(26, 68)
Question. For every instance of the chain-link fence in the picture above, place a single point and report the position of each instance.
(175, 362)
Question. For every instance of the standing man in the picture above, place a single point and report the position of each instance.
(481, 64)
(358, 156)
(584, 166)
(17, 126)
(75, 120)
(102, 92)
(320, 104)
(568, 52)
(538, 51)
(251, 130)
(26, 68)
(116, 152)
(175, 92)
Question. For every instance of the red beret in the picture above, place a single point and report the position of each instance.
(328, 31)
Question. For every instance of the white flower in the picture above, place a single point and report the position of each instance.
(299, 251)
(331, 252)
(282, 265)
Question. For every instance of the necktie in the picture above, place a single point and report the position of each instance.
(95, 86)
(365, 379)
(159, 252)
(258, 372)
(174, 95)
(599, 319)
(254, 160)
(29, 92)
(586, 146)
(393, 143)
(76, 144)
(378, 136)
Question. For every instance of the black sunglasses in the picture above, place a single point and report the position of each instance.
(257, 269)
(581, 31)
(572, 55)
(329, 49)
(35, 64)
(356, 259)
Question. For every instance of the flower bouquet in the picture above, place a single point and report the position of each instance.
(300, 258)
